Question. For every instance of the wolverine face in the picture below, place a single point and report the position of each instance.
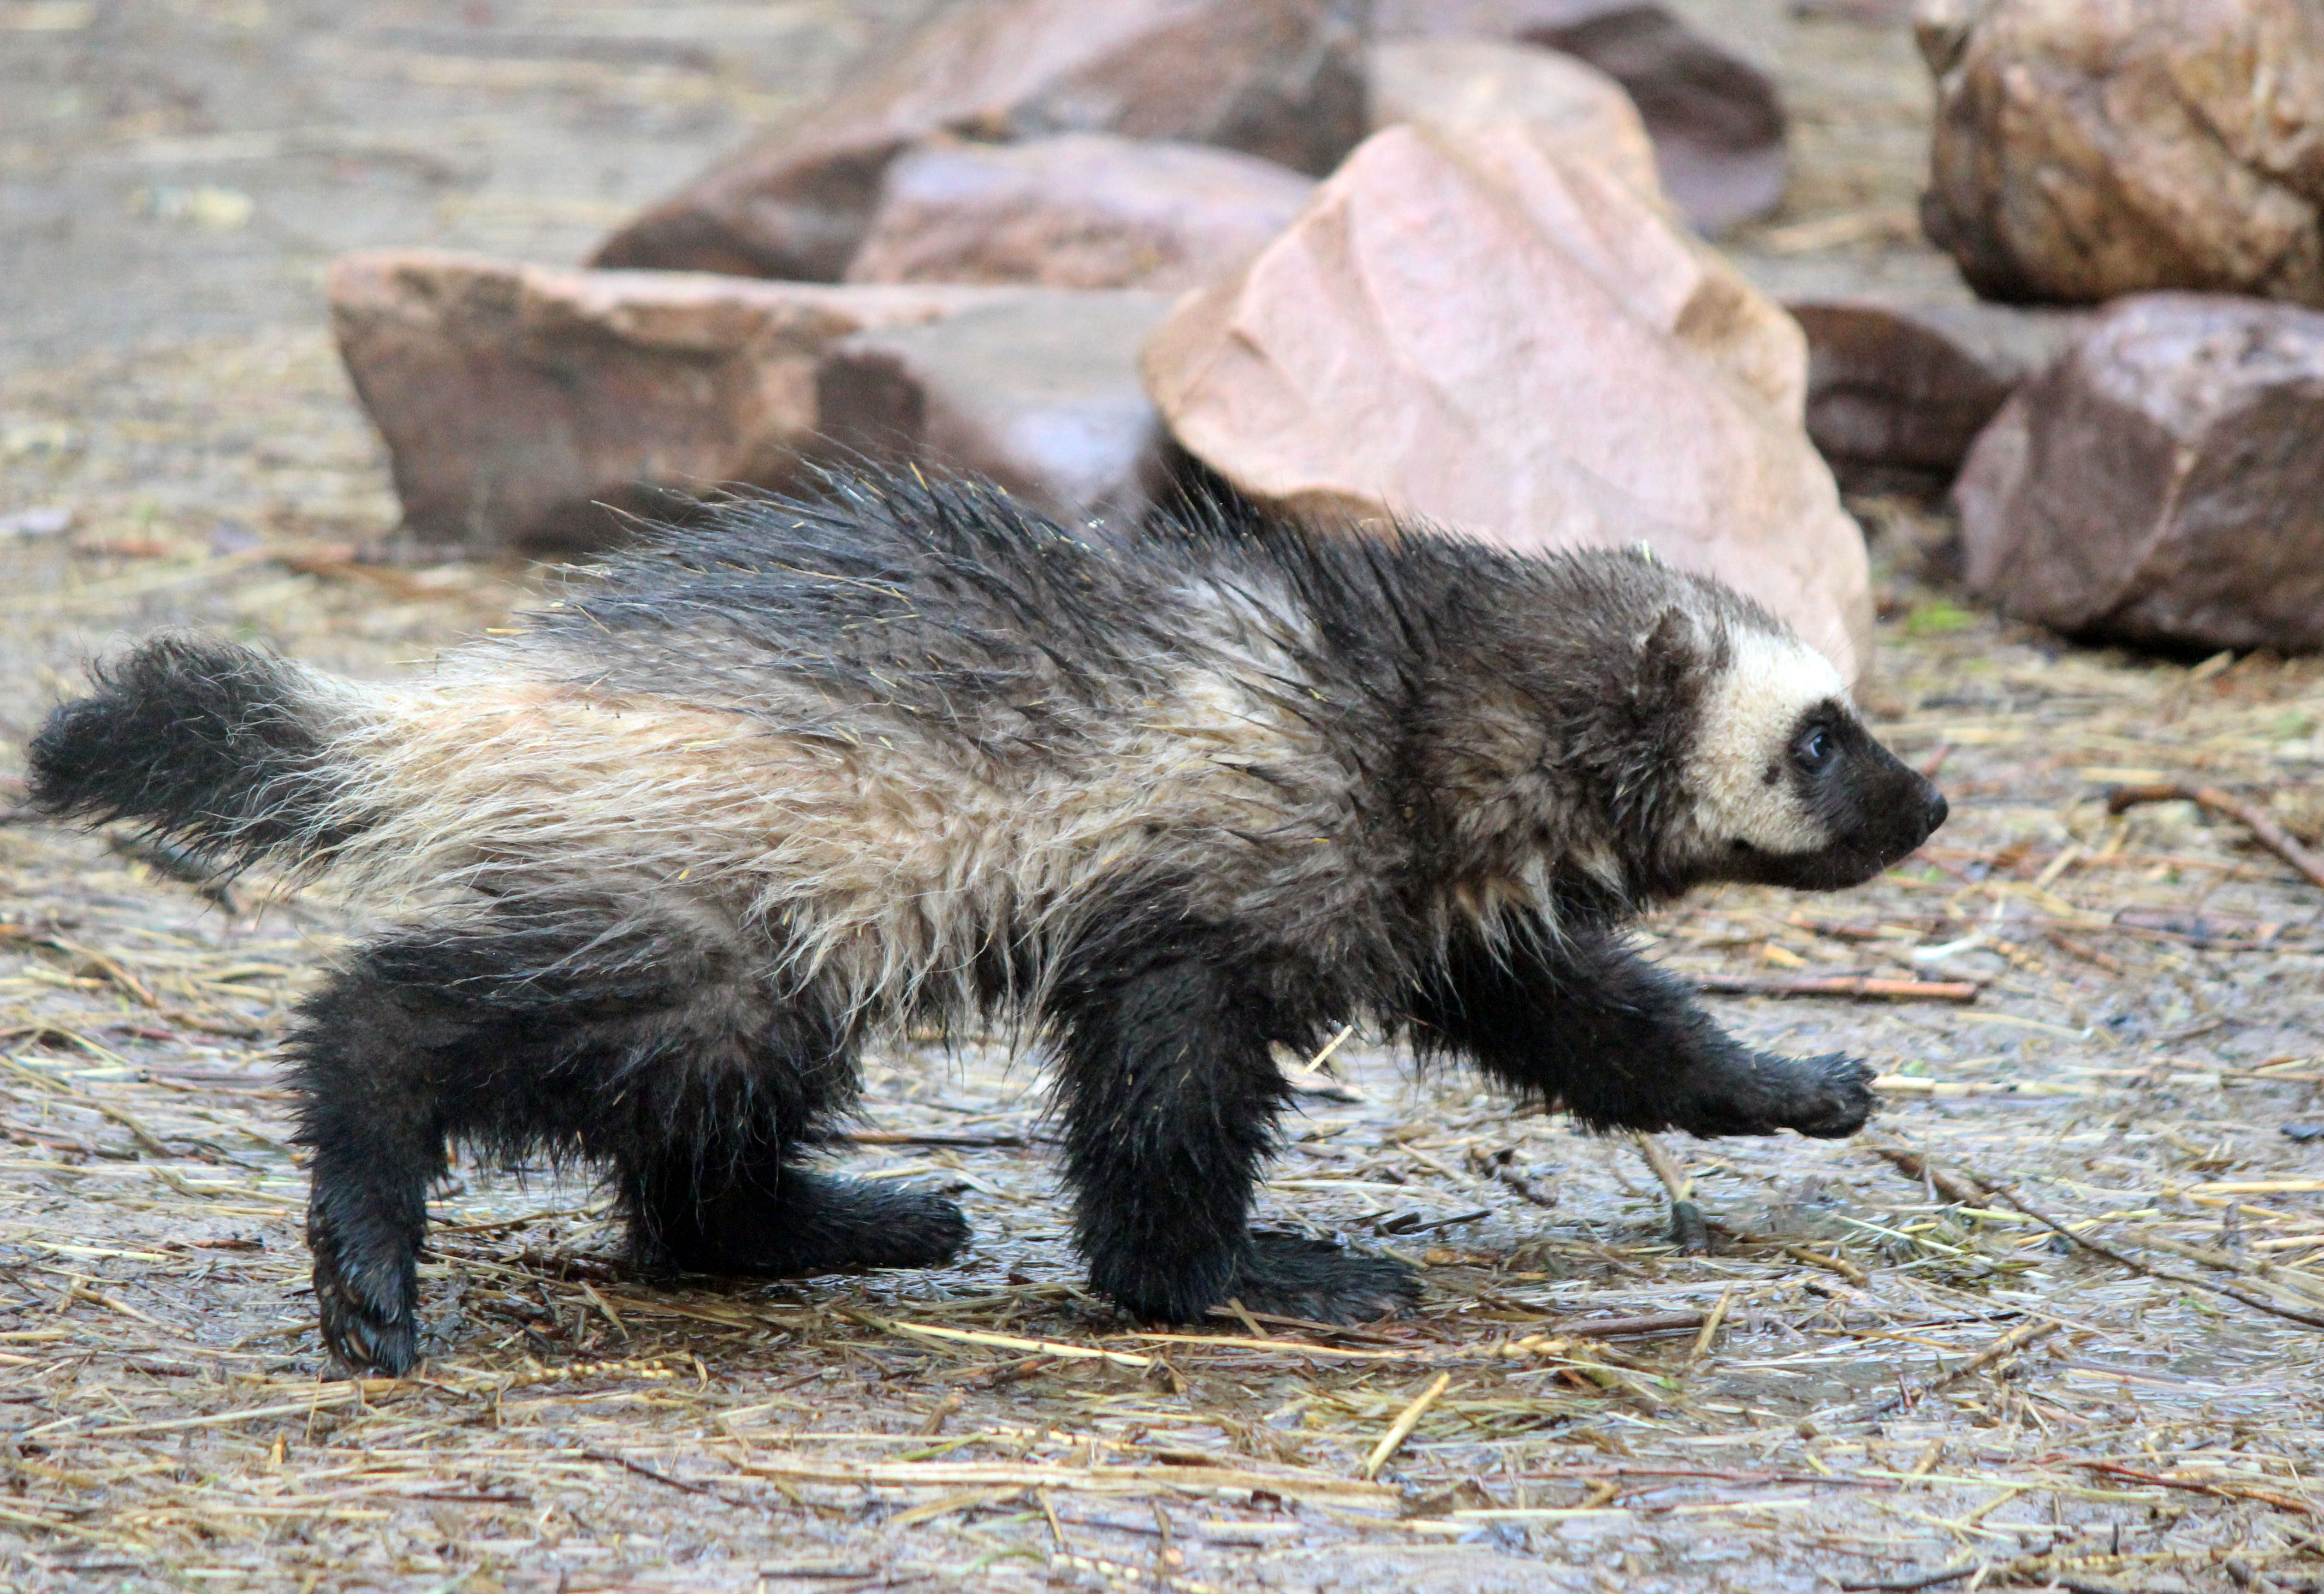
(1795, 791)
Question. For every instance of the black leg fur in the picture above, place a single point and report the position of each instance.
(370, 1115)
(1584, 1022)
(1169, 1094)
(772, 1218)
(638, 1048)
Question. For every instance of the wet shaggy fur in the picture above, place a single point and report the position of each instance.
(759, 793)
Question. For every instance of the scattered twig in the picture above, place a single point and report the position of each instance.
(2008, 1345)
(1688, 1231)
(666, 1481)
(1317, 1062)
(2219, 1488)
(1124, 1359)
(2264, 830)
(1913, 1165)
(1951, 1574)
(1405, 1421)
(1629, 1327)
(937, 1137)
(1893, 990)
(2147, 1269)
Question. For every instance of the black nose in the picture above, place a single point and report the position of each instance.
(1937, 808)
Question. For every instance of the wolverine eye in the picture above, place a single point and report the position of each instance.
(1816, 749)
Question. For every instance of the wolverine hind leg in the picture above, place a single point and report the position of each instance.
(574, 1030)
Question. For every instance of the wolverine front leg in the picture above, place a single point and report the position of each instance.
(1581, 1021)
(1169, 1096)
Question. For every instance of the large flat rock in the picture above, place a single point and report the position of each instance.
(1462, 86)
(525, 408)
(2162, 483)
(1278, 78)
(1717, 121)
(1523, 347)
(1079, 210)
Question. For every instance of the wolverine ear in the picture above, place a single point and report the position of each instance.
(1666, 658)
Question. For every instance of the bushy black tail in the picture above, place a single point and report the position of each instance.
(217, 747)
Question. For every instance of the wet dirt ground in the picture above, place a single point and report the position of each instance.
(1888, 1369)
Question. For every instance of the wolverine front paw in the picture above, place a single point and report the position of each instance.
(1291, 1276)
(1835, 1097)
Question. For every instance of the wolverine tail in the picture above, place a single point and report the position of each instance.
(217, 747)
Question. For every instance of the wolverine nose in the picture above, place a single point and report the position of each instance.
(1935, 811)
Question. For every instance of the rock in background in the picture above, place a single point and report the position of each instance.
(2086, 149)
(1080, 210)
(1278, 78)
(1899, 388)
(1463, 87)
(523, 407)
(1522, 347)
(1040, 393)
(1716, 120)
(2163, 482)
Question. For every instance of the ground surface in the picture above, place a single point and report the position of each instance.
(1803, 1408)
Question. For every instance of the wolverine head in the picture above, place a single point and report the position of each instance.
(1789, 787)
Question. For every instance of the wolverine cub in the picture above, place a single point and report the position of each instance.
(760, 792)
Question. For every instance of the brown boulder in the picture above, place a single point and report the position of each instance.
(2162, 482)
(1278, 78)
(2086, 149)
(523, 407)
(1040, 393)
(1902, 384)
(1080, 210)
(1459, 88)
(1716, 120)
(1488, 336)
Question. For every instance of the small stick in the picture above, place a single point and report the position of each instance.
(1951, 1574)
(1995, 1187)
(658, 1476)
(1918, 1168)
(1710, 1325)
(2225, 1489)
(1012, 1342)
(1330, 1046)
(1896, 990)
(2008, 1345)
(1838, 1265)
(1407, 1421)
(927, 1138)
(2264, 830)
(1689, 1233)
(1616, 1328)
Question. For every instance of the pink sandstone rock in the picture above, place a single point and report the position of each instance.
(1278, 78)
(523, 407)
(2162, 483)
(1522, 347)
(1717, 122)
(1459, 88)
(1080, 210)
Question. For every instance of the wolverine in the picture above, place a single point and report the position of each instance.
(766, 790)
